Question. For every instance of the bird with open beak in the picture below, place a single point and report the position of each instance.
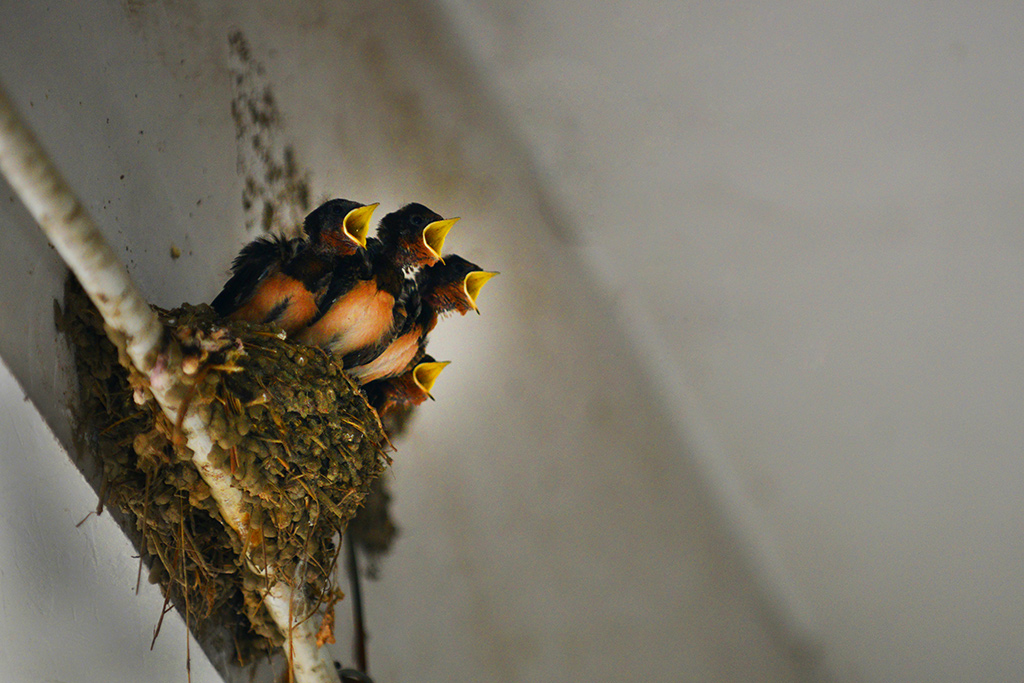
(441, 289)
(281, 281)
(409, 389)
(364, 309)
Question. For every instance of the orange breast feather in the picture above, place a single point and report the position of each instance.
(356, 320)
(395, 358)
(279, 299)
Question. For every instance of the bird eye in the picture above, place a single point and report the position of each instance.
(418, 221)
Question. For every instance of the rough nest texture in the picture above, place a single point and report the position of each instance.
(296, 433)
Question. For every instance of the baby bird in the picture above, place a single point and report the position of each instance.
(363, 306)
(279, 280)
(407, 390)
(451, 286)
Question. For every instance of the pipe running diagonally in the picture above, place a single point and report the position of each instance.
(68, 226)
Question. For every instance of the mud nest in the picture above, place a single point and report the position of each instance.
(296, 433)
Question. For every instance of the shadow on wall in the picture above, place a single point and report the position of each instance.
(550, 513)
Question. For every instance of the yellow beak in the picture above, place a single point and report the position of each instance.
(474, 282)
(425, 374)
(357, 223)
(434, 234)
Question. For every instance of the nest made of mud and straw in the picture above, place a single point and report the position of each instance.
(298, 436)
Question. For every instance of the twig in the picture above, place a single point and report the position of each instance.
(134, 325)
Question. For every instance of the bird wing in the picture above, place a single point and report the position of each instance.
(257, 260)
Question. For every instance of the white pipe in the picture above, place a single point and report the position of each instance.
(72, 232)
(300, 647)
(76, 237)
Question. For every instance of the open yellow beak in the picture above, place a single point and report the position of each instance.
(357, 223)
(425, 374)
(474, 282)
(434, 234)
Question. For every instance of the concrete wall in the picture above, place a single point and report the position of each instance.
(809, 216)
(554, 524)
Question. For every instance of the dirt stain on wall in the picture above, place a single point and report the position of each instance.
(275, 193)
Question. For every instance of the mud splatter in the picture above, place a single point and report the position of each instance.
(275, 192)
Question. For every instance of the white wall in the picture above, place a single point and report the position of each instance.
(810, 217)
(68, 609)
(554, 524)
